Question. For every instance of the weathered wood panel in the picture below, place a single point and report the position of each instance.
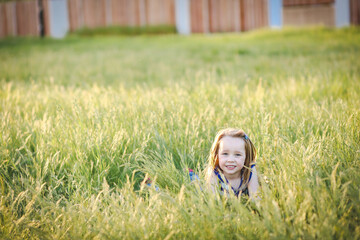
(214, 16)
(355, 12)
(301, 15)
(76, 14)
(228, 15)
(94, 13)
(100, 13)
(196, 16)
(8, 19)
(119, 12)
(306, 2)
(27, 19)
(45, 5)
(2, 21)
(254, 14)
(160, 12)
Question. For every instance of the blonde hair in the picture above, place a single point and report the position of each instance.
(250, 152)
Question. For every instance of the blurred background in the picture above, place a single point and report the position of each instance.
(56, 18)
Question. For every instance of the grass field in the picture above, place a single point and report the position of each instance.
(84, 119)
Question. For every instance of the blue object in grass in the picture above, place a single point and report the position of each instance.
(148, 183)
(192, 175)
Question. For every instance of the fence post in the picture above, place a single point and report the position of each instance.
(59, 18)
(182, 16)
(342, 13)
(275, 13)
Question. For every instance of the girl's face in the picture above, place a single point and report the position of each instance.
(231, 156)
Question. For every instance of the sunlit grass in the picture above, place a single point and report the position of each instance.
(84, 119)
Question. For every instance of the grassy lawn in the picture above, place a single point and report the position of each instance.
(83, 120)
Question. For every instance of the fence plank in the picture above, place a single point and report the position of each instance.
(34, 28)
(265, 13)
(196, 16)
(2, 21)
(236, 13)
(137, 13)
(142, 13)
(20, 15)
(119, 12)
(355, 12)
(215, 16)
(300, 15)
(10, 12)
(78, 15)
(160, 12)
(45, 5)
(172, 20)
(305, 2)
(222, 16)
(130, 13)
(227, 16)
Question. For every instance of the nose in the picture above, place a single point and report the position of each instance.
(231, 158)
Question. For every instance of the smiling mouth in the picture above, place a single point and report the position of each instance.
(230, 167)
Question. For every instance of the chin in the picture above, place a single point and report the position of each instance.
(232, 172)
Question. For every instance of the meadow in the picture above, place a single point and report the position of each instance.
(84, 120)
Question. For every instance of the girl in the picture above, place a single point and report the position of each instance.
(232, 164)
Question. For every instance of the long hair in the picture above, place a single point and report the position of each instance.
(250, 152)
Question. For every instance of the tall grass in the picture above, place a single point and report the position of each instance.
(84, 120)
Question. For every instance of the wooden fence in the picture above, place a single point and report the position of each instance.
(22, 18)
(227, 15)
(101, 13)
(302, 12)
(205, 15)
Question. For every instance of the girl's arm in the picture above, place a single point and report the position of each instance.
(253, 185)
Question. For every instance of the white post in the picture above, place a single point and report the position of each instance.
(182, 16)
(342, 13)
(275, 8)
(59, 18)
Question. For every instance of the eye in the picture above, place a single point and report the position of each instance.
(225, 154)
(238, 155)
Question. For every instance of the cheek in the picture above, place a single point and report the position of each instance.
(218, 160)
(222, 160)
(242, 161)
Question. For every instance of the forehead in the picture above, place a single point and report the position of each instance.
(232, 143)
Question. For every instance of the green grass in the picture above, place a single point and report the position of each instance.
(84, 119)
(127, 31)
